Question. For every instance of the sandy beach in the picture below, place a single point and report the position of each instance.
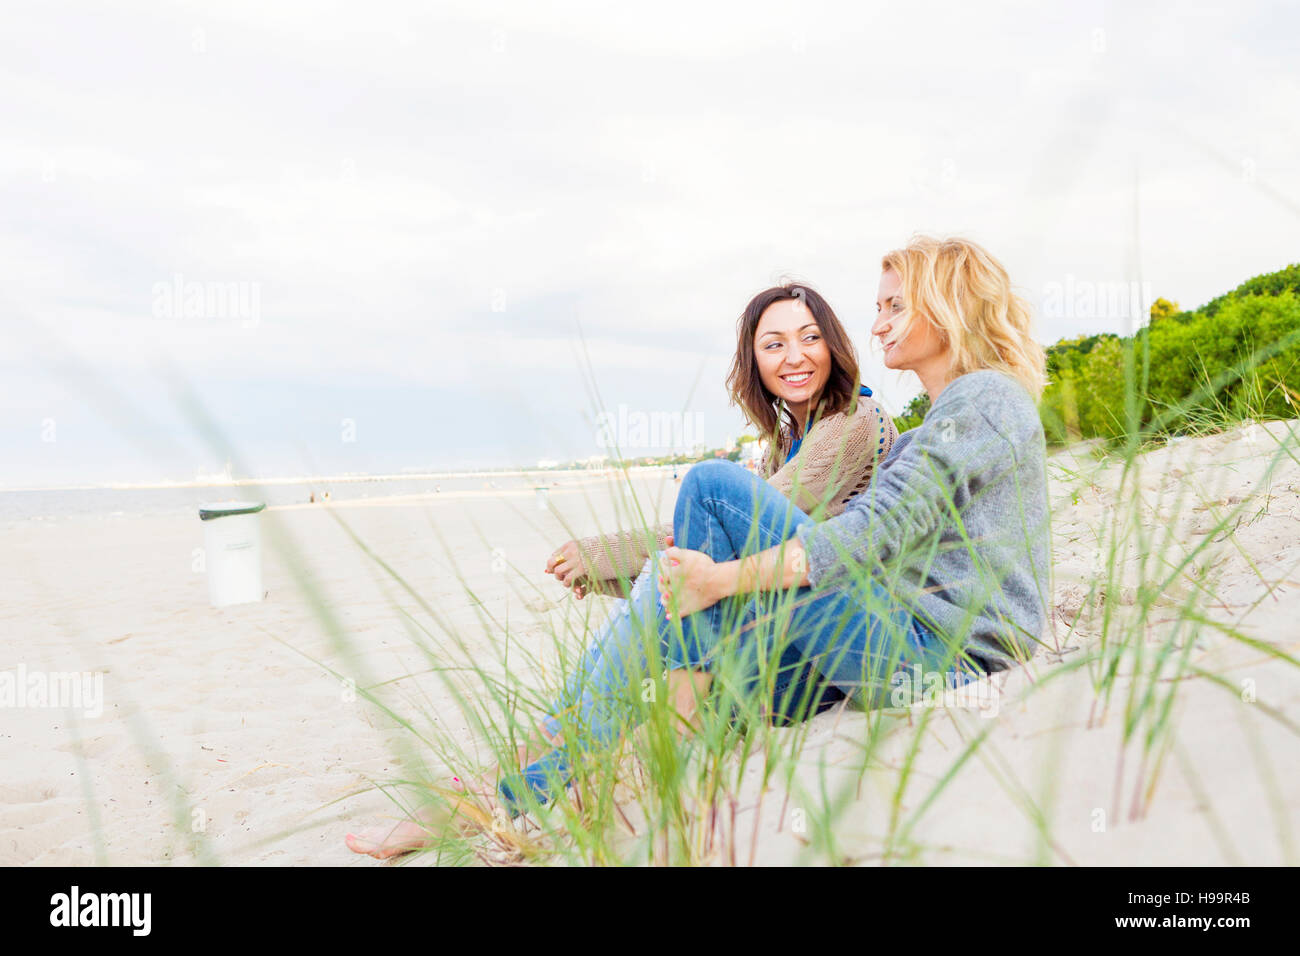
(239, 710)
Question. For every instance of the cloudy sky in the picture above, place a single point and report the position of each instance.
(367, 237)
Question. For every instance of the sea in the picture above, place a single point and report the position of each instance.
(178, 498)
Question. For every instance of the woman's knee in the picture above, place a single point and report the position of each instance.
(711, 479)
(706, 482)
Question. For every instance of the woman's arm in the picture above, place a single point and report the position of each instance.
(599, 563)
(836, 461)
(945, 460)
(692, 581)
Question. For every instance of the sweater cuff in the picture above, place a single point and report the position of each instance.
(834, 554)
(815, 549)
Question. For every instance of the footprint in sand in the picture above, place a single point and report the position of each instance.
(92, 748)
(30, 792)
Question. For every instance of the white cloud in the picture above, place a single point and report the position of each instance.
(438, 197)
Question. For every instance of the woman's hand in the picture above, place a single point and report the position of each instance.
(569, 567)
(689, 581)
(696, 581)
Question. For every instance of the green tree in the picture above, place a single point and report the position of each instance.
(1163, 309)
(1237, 356)
(1270, 283)
(914, 413)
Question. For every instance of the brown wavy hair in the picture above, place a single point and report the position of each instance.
(763, 409)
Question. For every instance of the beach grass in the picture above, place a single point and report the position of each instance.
(666, 798)
(737, 785)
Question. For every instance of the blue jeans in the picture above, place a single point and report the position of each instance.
(616, 660)
(856, 637)
(800, 648)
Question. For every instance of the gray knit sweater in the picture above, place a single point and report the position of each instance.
(956, 522)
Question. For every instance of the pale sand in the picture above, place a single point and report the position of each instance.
(262, 740)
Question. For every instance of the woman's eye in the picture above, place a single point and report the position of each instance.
(898, 307)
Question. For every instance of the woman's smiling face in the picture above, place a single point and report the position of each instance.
(793, 360)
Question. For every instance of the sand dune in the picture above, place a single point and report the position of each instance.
(236, 710)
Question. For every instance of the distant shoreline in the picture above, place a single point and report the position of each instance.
(339, 479)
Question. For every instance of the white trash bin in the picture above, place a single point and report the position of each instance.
(232, 543)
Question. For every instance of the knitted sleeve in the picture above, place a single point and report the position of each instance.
(955, 447)
(837, 459)
(619, 554)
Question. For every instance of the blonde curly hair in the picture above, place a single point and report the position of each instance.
(965, 293)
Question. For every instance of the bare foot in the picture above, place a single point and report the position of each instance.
(686, 690)
(383, 842)
(470, 806)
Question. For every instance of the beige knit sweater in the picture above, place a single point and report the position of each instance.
(832, 465)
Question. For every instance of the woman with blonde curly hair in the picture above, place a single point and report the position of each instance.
(939, 566)
(942, 564)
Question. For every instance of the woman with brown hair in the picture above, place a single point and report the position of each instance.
(795, 376)
(939, 569)
(795, 372)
